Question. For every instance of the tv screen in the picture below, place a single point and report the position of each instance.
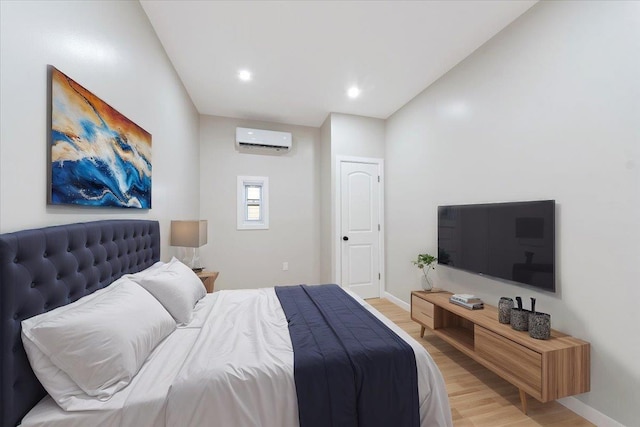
(510, 241)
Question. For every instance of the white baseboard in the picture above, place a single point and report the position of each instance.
(579, 407)
(588, 413)
(397, 301)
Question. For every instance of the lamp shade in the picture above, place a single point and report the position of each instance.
(190, 234)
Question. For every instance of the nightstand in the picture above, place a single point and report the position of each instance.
(208, 278)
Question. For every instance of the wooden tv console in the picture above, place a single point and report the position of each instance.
(545, 369)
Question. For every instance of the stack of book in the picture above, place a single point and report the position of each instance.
(471, 302)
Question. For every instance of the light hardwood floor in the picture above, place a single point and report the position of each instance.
(477, 396)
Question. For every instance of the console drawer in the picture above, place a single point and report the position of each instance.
(422, 311)
(520, 363)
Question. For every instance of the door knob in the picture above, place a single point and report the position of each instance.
(345, 238)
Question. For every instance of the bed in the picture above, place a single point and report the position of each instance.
(201, 373)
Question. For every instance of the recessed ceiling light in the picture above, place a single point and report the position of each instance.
(244, 75)
(353, 92)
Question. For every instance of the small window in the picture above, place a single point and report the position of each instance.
(253, 203)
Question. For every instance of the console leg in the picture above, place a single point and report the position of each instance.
(422, 332)
(523, 401)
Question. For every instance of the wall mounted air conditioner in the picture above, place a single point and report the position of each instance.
(263, 139)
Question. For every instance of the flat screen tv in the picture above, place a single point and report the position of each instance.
(509, 241)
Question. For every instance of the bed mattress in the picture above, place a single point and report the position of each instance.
(232, 365)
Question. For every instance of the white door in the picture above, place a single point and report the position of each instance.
(360, 225)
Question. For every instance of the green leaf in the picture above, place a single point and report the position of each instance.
(424, 260)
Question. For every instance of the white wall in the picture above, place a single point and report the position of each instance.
(356, 136)
(325, 203)
(111, 49)
(549, 108)
(253, 258)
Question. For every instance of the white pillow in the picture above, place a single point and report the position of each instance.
(60, 387)
(58, 384)
(145, 272)
(177, 288)
(98, 342)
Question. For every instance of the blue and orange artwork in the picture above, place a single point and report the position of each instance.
(98, 156)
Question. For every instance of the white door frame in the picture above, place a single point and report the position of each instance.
(337, 231)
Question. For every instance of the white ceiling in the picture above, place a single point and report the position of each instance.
(304, 55)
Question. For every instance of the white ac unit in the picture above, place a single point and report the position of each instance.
(263, 138)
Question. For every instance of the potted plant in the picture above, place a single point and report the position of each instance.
(426, 262)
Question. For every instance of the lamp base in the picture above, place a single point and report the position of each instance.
(191, 258)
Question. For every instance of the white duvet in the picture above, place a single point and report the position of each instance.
(231, 366)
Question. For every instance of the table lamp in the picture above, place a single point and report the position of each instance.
(190, 234)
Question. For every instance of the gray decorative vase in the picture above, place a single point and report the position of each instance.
(504, 310)
(520, 319)
(540, 325)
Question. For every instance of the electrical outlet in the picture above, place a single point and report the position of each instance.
(285, 266)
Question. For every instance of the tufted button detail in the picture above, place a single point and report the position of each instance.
(68, 249)
(33, 284)
(15, 316)
(46, 305)
(15, 260)
(58, 277)
(44, 255)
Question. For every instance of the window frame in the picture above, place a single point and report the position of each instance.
(242, 203)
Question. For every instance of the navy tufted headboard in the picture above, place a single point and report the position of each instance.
(49, 267)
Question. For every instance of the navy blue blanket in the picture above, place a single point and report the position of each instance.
(350, 369)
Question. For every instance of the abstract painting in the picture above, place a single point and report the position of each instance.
(98, 156)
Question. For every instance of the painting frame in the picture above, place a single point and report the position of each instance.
(97, 156)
